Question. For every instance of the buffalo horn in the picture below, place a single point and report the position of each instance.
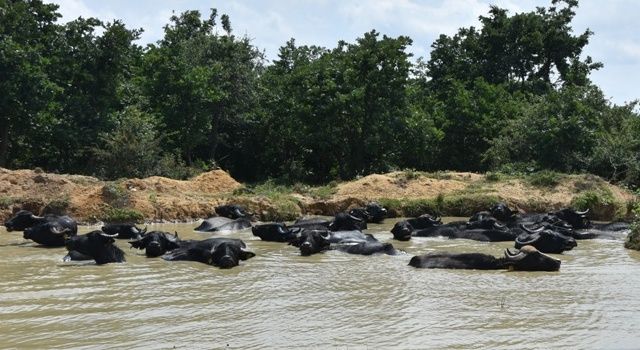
(529, 230)
(355, 218)
(57, 231)
(582, 212)
(532, 238)
(109, 236)
(498, 225)
(513, 255)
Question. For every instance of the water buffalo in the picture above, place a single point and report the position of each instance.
(578, 220)
(218, 224)
(545, 240)
(222, 252)
(25, 219)
(502, 212)
(124, 231)
(313, 223)
(231, 211)
(157, 243)
(403, 230)
(486, 230)
(373, 212)
(97, 245)
(355, 242)
(347, 222)
(276, 232)
(528, 258)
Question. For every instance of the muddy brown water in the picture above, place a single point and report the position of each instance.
(280, 299)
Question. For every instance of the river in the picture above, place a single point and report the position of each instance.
(280, 299)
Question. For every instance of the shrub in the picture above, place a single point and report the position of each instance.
(545, 178)
(633, 239)
(493, 176)
(57, 206)
(115, 194)
(121, 215)
(601, 204)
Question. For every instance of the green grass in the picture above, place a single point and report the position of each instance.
(493, 176)
(601, 204)
(58, 206)
(6, 202)
(121, 215)
(544, 179)
(438, 175)
(284, 205)
(115, 194)
(452, 205)
(633, 239)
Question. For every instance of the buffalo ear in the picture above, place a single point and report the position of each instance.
(246, 254)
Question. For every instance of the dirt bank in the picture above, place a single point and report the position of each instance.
(404, 193)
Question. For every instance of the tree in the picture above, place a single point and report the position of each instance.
(200, 83)
(27, 29)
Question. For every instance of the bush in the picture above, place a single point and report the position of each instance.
(115, 194)
(57, 206)
(633, 239)
(601, 204)
(493, 176)
(455, 205)
(544, 178)
(121, 215)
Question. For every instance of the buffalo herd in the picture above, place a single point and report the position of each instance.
(534, 235)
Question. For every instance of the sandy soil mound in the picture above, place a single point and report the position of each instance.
(157, 198)
(86, 198)
(398, 185)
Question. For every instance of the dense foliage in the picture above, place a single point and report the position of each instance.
(513, 95)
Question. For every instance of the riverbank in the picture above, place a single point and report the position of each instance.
(407, 193)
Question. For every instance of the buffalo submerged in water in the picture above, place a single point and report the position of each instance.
(48, 230)
(222, 252)
(527, 258)
(95, 245)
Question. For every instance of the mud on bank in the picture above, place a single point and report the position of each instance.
(406, 193)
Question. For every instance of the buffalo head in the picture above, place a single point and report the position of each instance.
(23, 220)
(156, 243)
(312, 241)
(528, 258)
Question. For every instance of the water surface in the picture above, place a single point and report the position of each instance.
(280, 299)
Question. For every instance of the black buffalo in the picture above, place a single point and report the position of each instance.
(545, 240)
(276, 232)
(502, 212)
(25, 219)
(355, 242)
(373, 212)
(527, 258)
(218, 224)
(579, 221)
(312, 223)
(124, 231)
(222, 252)
(97, 245)
(403, 230)
(157, 243)
(347, 222)
(231, 211)
(487, 229)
